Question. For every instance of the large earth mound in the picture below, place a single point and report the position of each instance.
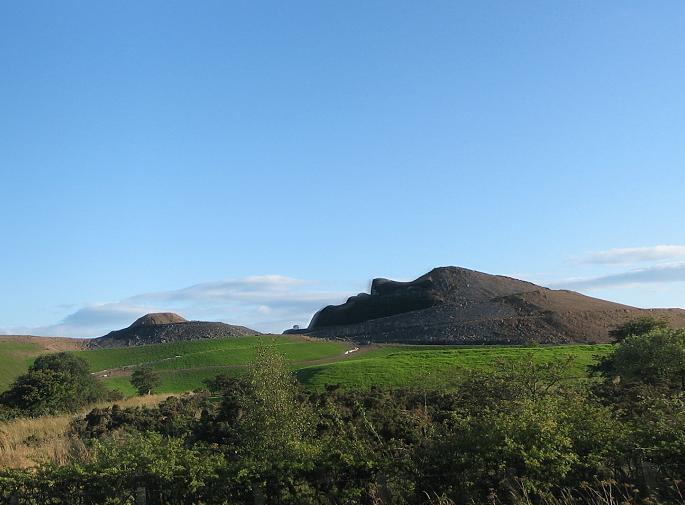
(451, 305)
(164, 327)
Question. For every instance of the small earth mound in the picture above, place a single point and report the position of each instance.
(158, 318)
(164, 327)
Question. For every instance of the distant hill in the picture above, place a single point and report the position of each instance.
(165, 327)
(452, 305)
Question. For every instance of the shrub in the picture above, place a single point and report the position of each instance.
(54, 383)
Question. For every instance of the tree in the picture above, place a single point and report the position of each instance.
(145, 380)
(54, 383)
(62, 362)
(275, 419)
(639, 326)
(656, 358)
(273, 426)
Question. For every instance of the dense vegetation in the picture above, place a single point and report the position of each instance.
(514, 432)
(54, 383)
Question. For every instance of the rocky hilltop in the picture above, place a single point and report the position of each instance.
(164, 327)
(451, 305)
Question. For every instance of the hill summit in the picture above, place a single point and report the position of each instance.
(162, 327)
(157, 318)
(452, 305)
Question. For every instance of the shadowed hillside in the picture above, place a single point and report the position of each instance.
(451, 305)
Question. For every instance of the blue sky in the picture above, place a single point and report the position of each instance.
(251, 161)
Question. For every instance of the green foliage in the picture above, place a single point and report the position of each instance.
(521, 427)
(518, 431)
(145, 380)
(275, 418)
(168, 466)
(54, 383)
(659, 433)
(530, 441)
(61, 362)
(656, 358)
(636, 327)
(524, 377)
(175, 417)
(271, 425)
(118, 469)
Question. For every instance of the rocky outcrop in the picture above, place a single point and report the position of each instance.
(387, 298)
(451, 305)
(165, 327)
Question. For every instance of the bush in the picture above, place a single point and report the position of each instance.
(54, 383)
(640, 326)
(656, 358)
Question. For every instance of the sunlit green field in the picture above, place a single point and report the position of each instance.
(208, 353)
(426, 366)
(391, 365)
(184, 366)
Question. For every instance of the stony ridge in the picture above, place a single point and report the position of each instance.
(451, 305)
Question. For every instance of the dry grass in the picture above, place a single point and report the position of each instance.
(26, 443)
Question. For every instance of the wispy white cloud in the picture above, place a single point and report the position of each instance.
(269, 303)
(92, 320)
(658, 274)
(630, 255)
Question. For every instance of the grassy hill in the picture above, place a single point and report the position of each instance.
(184, 366)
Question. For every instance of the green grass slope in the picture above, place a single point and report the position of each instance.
(427, 366)
(207, 353)
(391, 365)
(184, 366)
(15, 358)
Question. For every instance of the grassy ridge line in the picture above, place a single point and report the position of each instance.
(391, 365)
